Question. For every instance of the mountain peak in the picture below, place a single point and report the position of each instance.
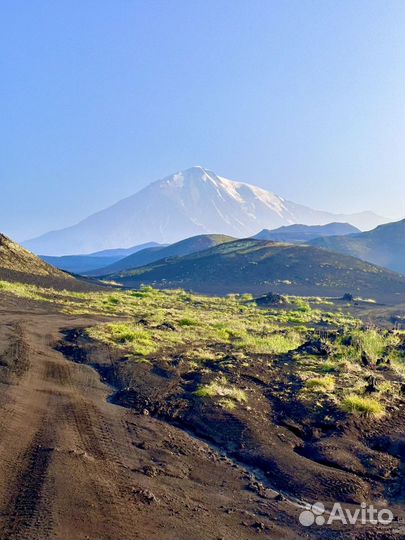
(197, 172)
(187, 203)
(196, 168)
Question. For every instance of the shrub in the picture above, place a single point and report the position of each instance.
(220, 388)
(355, 404)
(372, 342)
(187, 322)
(329, 366)
(114, 300)
(326, 383)
(227, 404)
(302, 305)
(269, 344)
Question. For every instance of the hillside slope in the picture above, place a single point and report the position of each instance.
(150, 255)
(188, 203)
(19, 265)
(259, 266)
(384, 245)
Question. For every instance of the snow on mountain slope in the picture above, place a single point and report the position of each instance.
(187, 203)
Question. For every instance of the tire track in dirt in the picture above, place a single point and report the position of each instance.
(97, 438)
(75, 469)
(78, 414)
(27, 442)
(57, 373)
(22, 514)
(99, 445)
(15, 359)
(94, 434)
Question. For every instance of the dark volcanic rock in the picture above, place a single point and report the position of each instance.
(167, 326)
(347, 297)
(316, 347)
(271, 299)
(372, 384)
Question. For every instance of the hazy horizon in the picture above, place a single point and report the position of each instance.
(113, 203)
(302, 98)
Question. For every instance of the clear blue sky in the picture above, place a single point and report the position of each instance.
(99, 98)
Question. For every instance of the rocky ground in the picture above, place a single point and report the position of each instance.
(84, 456)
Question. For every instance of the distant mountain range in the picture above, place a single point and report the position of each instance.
(81, 264)
(303, 233)
(384, 245)
(188, 203)
(152, 254)
(259, 266)
(218, 264)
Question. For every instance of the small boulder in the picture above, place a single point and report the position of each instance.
(316, 347)
(145, 495)
(348, 297)
(372, 384)
(166, 326)
(271, 299)
(365, 360)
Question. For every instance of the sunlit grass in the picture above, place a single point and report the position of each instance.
(220, 388)
(373, 343)
(270, 344)
(130, 337)
(233, 336)
(355, 404)
(326, 383)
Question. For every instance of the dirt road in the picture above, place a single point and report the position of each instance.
(73, 465)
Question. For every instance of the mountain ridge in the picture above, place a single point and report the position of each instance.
(153, 254)
(187, 203)
(383, 245)
(260, 266)
(302, 233)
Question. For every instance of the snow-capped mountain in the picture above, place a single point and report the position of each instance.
(187, 203)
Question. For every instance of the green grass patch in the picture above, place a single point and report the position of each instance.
(135, 339)
(269, 344)
(187, 322)
(355, 404)
(326, 383)
(328, 366)
(221, 388)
